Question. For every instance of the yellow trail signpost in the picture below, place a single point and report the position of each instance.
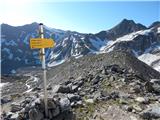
(38, 43)
(42, 43)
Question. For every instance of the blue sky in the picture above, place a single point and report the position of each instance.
(85, 17)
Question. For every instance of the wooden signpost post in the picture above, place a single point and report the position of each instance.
(42, 43)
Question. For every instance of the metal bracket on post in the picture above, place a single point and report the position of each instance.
(44, 70)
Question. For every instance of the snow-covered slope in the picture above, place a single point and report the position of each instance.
(144, 44)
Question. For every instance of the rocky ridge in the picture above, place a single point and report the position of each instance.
(111, 92)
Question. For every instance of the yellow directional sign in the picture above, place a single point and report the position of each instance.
(37, 43)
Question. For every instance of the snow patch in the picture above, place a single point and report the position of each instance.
(11, 43)
(55, 63)
(158, 30)
(131, 36)
(54, 55)
(13, 71)
(78, 56)
(98, 43)
(31, 80)
(3, 85)
(10, 56)
(148, 58)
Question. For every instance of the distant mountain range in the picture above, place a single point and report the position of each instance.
(137, 39)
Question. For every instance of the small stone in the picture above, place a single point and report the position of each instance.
(133, 118)
(112, 78)
(96, 79)
(97, 96)
(89, 101)
(141, 100)
(136, 89)
(123, 101)
(79, 103)
(127, 108)
(137, 108)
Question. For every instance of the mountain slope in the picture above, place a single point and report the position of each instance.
(80, 67)
(144, 44)
(123, 28)
(127, 35)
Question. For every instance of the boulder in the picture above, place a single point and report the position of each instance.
(15, 107)
(61, 89)
(151, 113)
(56, 111)
(141, 100)
(73, 97)
(65, 104)
(153, 86)
(34, 114)
(51, 103)
(74, 88)
(6, 99)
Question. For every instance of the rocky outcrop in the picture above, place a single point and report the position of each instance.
(105, 93)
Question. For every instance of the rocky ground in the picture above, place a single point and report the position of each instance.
(103, 91)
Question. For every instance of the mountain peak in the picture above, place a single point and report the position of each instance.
(131, 23)
(124, 27)
(127, 21)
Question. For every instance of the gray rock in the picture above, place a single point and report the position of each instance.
(56, 111)
(153, 86)
(51, 103)
(50, 114)
(56, 88)
(137, 108)
(112, 78)
(96, 79)
(14, 116)
(65, 104)
(97, 96)
(73, 97)
(114, 94)
(151, 113)
(79, 83)
(6, 99)
(141, 100)
(89, 101)
(156, 85)
(135, 89)
(74, 88)
(149, 87)
(27, 108)
(61, 89)
(34, 114)
(15, 107)
(127, 108)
